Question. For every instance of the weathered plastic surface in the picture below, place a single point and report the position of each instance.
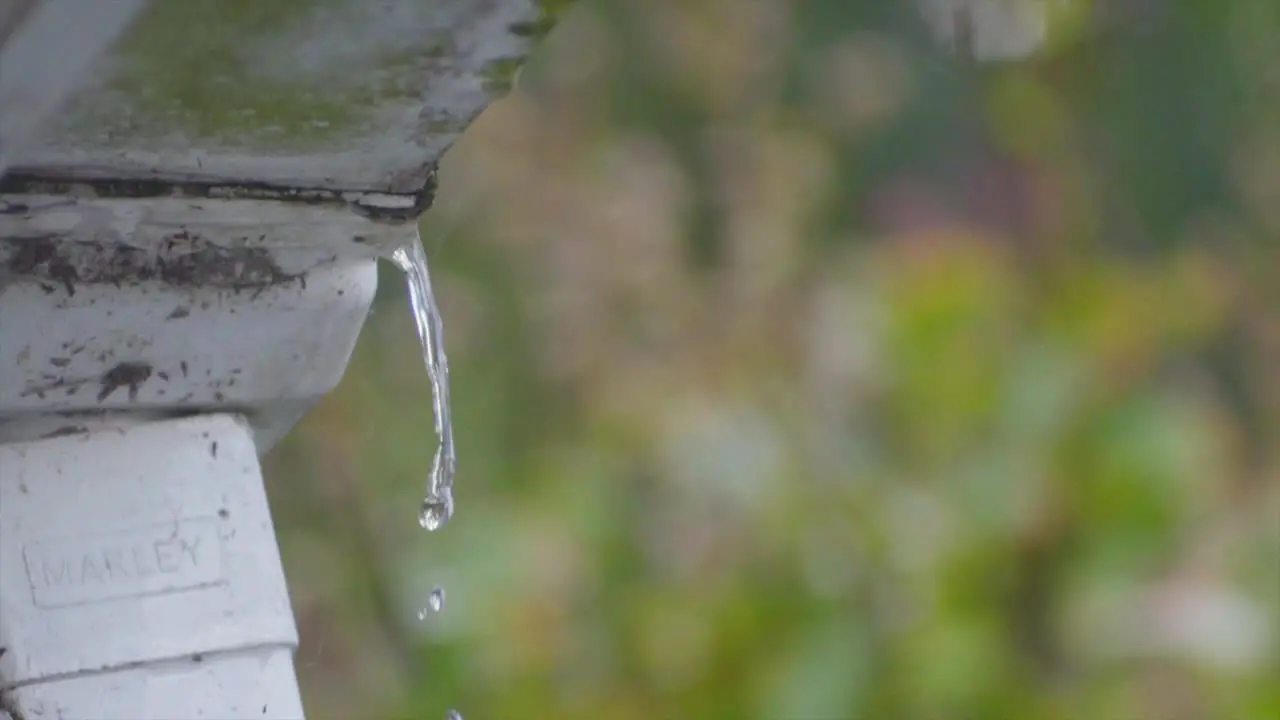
(188, 223)
(322, 95)
(208, 195)
(140, 578)
(46, 48)
(116, 328)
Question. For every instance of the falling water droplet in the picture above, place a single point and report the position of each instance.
(437, 505)
(453, 715)
(436, 510)
(435, 603)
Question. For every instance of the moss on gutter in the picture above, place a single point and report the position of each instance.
(549, 13)
(188, 69)
(502, 75)
(180, 69)
(200, 73)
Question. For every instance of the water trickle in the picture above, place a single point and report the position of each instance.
(437, 504)
(435, 603)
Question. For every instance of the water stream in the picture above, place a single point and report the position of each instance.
(437, 504)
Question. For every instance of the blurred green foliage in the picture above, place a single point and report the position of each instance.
(803, 369)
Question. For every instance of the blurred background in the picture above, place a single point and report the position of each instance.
(806, 368)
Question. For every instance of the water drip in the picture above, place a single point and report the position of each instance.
(437, 504)
(435, 603)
